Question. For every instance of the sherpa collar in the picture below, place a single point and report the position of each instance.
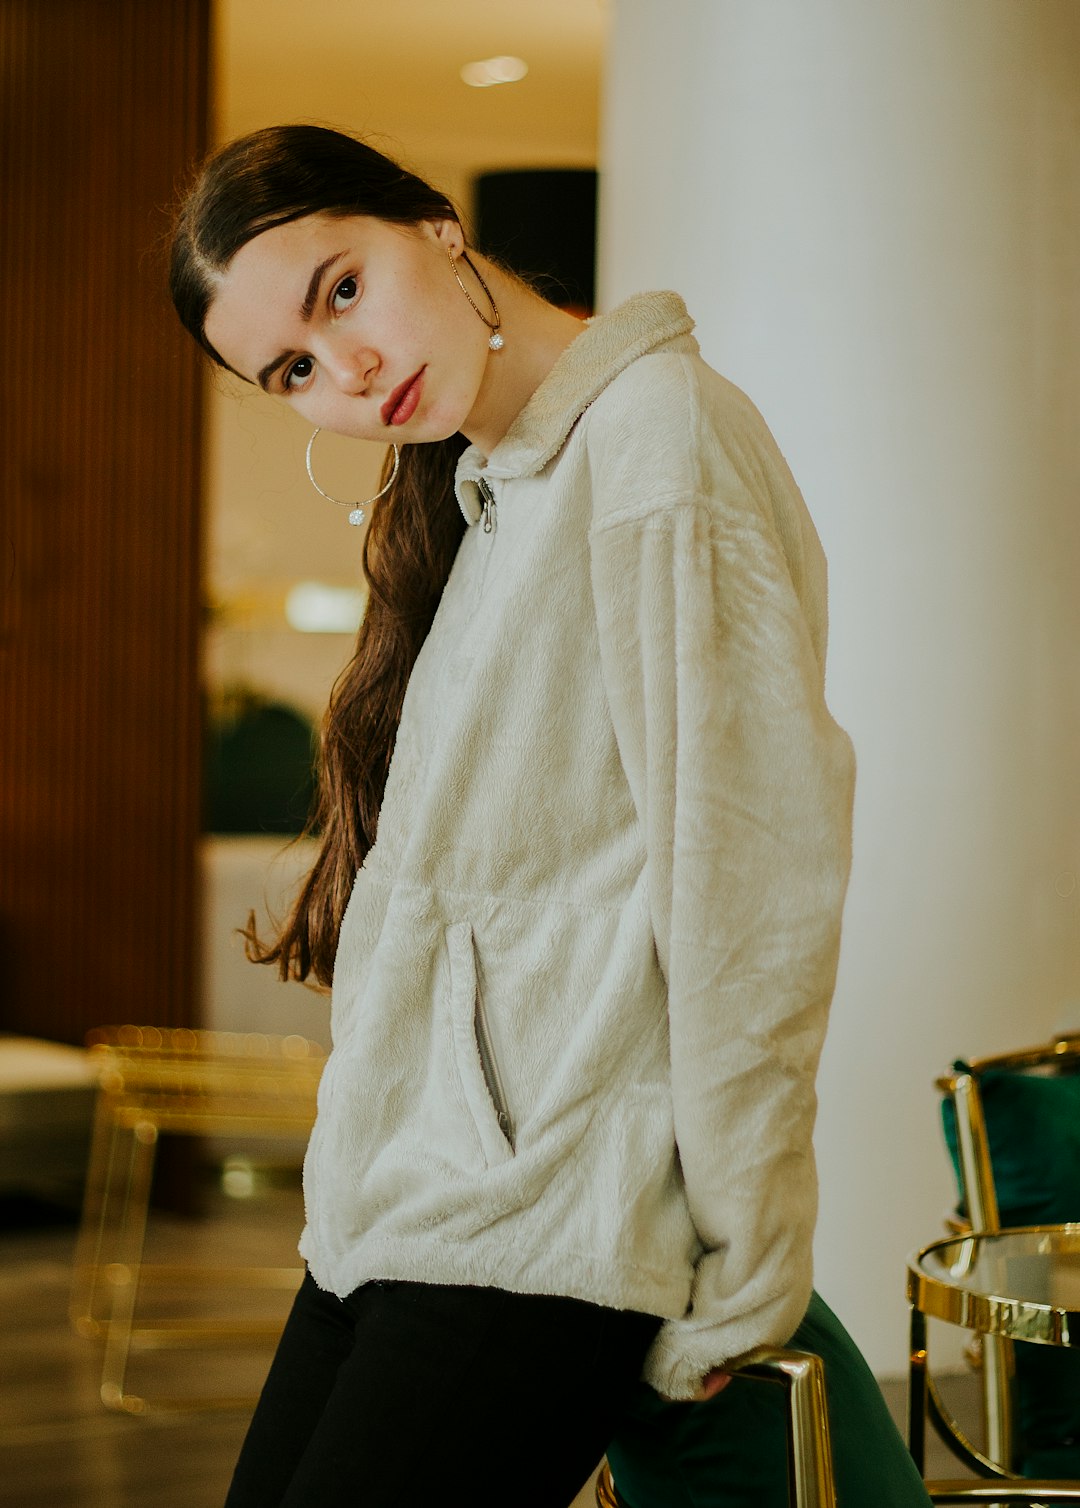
(605, 346)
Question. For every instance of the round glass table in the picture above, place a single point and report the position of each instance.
(1008, 1285)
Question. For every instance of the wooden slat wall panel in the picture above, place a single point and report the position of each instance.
(104, 106)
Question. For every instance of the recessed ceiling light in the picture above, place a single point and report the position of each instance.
(490, 71)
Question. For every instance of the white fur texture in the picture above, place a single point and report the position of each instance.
(617, 828)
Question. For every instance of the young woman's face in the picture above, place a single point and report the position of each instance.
(358, 324)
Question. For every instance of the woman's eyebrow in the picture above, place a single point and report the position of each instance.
(307, 309)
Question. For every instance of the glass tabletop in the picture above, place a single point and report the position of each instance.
(1019, 1283)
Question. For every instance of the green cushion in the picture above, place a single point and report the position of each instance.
(1033, 1126)
(732, 1451)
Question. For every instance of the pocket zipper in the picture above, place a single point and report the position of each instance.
(491, 1072)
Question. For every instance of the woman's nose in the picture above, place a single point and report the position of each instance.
(351, 367)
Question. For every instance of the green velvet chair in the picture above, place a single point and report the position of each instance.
(732, 1452)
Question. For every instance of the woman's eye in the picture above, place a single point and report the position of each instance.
(299, 372)
(344, 294)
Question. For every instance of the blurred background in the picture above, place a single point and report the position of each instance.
(874, 215)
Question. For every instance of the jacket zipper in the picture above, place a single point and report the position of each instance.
(491, 1071)
(488, 514)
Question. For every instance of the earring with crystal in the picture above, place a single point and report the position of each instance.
(356, 516)
(495, 340)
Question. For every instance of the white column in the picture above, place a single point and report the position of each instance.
(873, 211)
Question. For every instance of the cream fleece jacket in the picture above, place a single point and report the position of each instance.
(583, 977)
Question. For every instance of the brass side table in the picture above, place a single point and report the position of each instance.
(1018, 1285)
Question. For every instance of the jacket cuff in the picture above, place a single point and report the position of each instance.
(680, 1357)
(687, 1349)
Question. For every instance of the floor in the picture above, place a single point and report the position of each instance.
(59, 1446)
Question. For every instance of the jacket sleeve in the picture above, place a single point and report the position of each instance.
(743, 786)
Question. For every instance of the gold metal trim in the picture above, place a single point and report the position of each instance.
(1027, 1490)
(990, 1313)
(1057, 1051)
(605, 1489)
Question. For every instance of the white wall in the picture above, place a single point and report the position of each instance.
(239, 875)
(874, 213)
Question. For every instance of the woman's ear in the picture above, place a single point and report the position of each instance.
(449, 235)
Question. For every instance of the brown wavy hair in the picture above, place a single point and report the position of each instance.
(265, 179)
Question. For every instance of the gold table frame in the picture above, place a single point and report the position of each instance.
(1003, 1316)
(963, 1086)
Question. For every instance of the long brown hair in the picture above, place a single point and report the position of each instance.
(265, 179)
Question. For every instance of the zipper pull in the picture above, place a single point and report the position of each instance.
(488, 515)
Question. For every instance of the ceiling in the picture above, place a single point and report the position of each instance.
(391, 70)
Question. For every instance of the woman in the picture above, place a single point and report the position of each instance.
(580, 980)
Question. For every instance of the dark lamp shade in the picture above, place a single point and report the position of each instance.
(542, 223)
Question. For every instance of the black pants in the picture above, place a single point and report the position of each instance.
(411, 1393)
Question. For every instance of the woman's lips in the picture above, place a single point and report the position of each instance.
(401, 404)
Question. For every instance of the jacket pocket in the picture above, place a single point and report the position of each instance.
(474, 1059)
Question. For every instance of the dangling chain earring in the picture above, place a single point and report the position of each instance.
(495, 340)
(357, 514)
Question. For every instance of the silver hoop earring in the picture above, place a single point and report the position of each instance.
(495, 340)
(356, 517)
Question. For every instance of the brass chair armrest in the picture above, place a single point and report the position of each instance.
(811, 1480)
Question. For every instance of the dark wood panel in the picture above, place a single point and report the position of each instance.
(104, 106)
